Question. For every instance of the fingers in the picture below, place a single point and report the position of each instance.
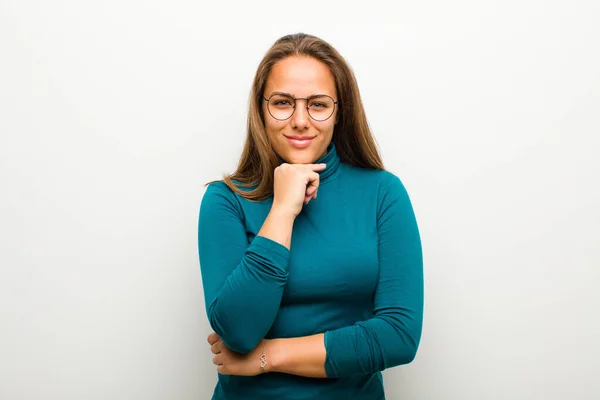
(216, 348)
(213, 338)
(313, 180)
(286, 176)
(312, 187)
(310, 191)
(317, 167)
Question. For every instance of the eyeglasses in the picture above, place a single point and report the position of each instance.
(281, 106)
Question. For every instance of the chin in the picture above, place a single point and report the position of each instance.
(296, 157)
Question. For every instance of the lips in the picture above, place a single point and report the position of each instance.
(299, 142)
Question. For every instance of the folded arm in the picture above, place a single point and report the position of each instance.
(243, 283)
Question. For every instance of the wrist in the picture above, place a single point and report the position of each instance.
(282, 212)
(274, 355)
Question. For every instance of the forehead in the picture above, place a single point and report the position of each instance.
(300, 76)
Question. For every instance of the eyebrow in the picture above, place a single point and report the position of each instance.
(290, 95)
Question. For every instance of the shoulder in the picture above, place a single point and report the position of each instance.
(384, 187)
(383, 181)
(218, 194)
(218, 189)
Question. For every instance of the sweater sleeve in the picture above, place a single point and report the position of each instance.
(243, 283)
(392, 335)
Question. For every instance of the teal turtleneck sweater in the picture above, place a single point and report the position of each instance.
(354, 272)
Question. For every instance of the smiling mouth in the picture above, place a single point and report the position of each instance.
(299, 142)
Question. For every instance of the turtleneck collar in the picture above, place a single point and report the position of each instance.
(331, 158)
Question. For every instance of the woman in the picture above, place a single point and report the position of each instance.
(310, 252)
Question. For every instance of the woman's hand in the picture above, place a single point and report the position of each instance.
(229, 362)
(295, 185)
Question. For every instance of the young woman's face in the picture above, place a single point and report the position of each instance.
(300, 139)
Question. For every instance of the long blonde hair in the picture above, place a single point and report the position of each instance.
(352, 136)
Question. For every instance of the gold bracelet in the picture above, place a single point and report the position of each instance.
(263, 357)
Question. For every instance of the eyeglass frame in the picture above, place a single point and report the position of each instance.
(335, 102)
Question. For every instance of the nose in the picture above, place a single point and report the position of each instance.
(300, 119)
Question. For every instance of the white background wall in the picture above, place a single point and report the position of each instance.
(113, 114)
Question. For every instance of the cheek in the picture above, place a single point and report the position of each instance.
(327, 127)
(275, 135)
(273, 128)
